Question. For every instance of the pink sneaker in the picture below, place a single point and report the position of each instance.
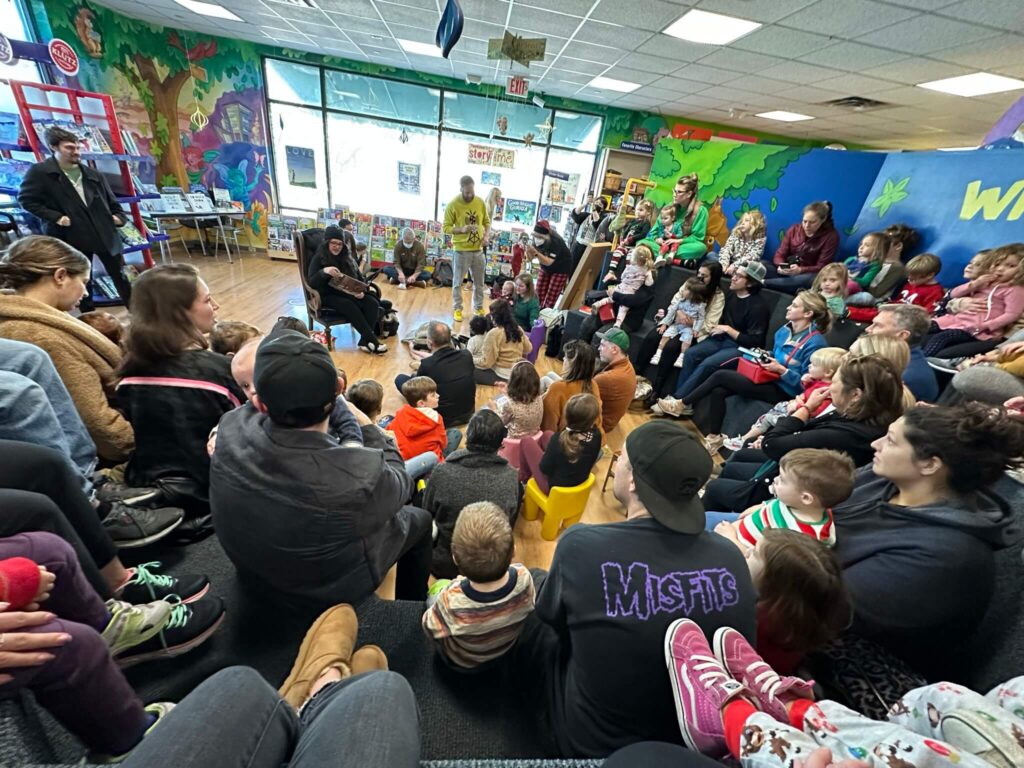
(771, 690)
(700, 686)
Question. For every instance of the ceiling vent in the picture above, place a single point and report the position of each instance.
(297, 3)
(856, 103)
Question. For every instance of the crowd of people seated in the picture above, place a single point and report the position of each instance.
(864, 500)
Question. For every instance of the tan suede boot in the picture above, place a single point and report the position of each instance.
(328, 643)
(367, 659)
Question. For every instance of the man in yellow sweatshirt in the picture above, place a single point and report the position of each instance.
(466, 220)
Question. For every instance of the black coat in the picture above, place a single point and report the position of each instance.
(48, 194)
(452, 371)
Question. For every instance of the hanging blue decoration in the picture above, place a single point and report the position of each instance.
(449, 30)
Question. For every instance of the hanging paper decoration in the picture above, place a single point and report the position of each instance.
(449, 30)
(528, 139)
(404, 137)
(502, 125)
(545, 128)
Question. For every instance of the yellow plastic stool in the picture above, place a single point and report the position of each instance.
(563, 506)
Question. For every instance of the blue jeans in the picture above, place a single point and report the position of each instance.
(56, 423)
(421, 466)
(791, 284)
(235, 719)
(392, 273)
(703, 359)
(711, 519)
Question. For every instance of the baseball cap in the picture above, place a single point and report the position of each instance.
(755, 270)
(616, 336)
(542, 227)
(669, 467)
(292, 371)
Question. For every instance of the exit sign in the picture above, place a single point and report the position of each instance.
(517, 86)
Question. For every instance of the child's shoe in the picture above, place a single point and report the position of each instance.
(328, 643)
(678, 363)
(733, 443)
(367, 659)
(770, 690)
(656, 357)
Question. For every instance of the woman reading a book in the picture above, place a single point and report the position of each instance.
(333, 274)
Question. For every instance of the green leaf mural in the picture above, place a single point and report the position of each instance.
(773, 204)
(892, 193)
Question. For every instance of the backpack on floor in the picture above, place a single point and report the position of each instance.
(443, 274)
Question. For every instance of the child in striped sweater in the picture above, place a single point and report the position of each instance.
(810, 482)
(477, 617)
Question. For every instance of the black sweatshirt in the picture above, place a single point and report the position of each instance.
(749, 316)
(563, 473)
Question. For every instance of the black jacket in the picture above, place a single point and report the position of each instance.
(323, 258)
(830, 430)
(452, 371)
(48, 194)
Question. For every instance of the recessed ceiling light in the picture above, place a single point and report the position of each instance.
(710, 28)
(978, 84)
(423, 49)
(784, 116)
(611, 84)
(955, 149)
(208, 9)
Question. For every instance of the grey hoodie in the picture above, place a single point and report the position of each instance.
(920, 578)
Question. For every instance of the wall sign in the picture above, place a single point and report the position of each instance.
(6, 51)
(409, 177)
(517, 86)
(520, 211)
(64, 57)
(301, 163)
(480, 154)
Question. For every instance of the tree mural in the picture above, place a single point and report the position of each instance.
(158, 63)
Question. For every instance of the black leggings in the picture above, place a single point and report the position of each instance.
(936, 341)
(721, 384)
(735, 490)
(362, 314)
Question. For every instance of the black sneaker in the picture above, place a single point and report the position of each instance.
(136, 527)
(188, 627)
(110, 491)
(145, 586)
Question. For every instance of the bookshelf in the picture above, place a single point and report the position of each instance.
(93, 118)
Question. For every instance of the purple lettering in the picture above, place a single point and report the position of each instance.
(626, 597)
(641, 594)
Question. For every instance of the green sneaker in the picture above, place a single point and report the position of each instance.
(158, 709)
(131, 625)
(189, 626)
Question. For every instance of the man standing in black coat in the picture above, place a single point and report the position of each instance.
(76, 205)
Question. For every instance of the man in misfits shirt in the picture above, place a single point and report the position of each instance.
(596, 640)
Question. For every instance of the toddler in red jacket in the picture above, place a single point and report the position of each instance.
(417, 426)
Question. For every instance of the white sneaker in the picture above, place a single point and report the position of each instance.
(673, 407)
(402, 286)
(656, 358)
(733, 443)
(679, 362)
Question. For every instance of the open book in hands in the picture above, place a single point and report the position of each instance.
(348, 284)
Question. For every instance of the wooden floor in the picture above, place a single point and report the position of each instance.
(258, 290)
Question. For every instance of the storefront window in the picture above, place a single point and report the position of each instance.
(295, 83)
(382, 98)
(300, 161)
(576, 130)
(494, 118)
(566, 178)
(374, 171)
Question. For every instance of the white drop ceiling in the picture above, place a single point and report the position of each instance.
(807, 52)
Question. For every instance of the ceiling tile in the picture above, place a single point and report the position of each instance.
(569, 7)
(373, 41)
(736, 97)
(351, 7)
(678, 85)
(358, 24)
(566, 64)
(485, 10)
(481, 30)
(916, 70)
(412, 17)
(674, 49)
(855, 85)
(642, 61)
(622, 38)
(704, 74)
(416, 34)
(994, 13)
(799, 72)
(587, 52)
(843, 18)
(774, 40)
(543, 23)
(922, 5)
(654, 15)
(661, 94)
(740, 61)
(990, 54)
(758, 83)
(765, 11)
(926, 34)
(632, 75)
(852, 57)
(807, 94)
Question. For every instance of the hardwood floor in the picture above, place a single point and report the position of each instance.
(258, 290)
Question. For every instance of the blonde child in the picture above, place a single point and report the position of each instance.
(521, 407)
(693, 304)
(832, 283)
(863, 267)
(662, 233)
(476, 618)
(922, 288)
(997, 303)
(640, 272)
(810, 482)
(980, 263)
(745, 242)
(229, 336)
(824, 364)
(889, 275)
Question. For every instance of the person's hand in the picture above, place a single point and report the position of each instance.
(1015, 408)
(983, 281)
(611, 290)
(822, 758)
(118, 221)
(721, 329)
(611, 277)
(659, 314)
(359, 295)
(332, 271)
(1007, 351)
(683, 319)
(730, 270)
(774, 366)
(662, 329)
(805, 380)
(26, 649)
(401, 278)
(816, 399)
(211, 442)
(757, 443)
(63, 221)
(46, 582)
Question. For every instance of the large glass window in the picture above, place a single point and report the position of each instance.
(16, 27)
(373, 170)
(297, 83)
(576, 130)
(382, 98)
(494, 118)
(300, 159)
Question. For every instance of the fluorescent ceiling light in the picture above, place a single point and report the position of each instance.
(208, 9)
(784, 116)
(978, 84)
(423, 49)
(955, 149)
(710, 28)
(611, 84)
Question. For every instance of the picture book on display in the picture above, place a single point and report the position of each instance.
(90, 136)
(130, 235)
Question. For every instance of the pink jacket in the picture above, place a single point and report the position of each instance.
(1004, 305)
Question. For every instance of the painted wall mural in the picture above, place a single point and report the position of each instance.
(774, 179)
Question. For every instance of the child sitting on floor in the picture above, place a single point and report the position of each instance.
(832, 283)
(479, 325)
(417, 426)
(693, 304)
(368, 396)
(639, 272)
(228, 336)
(922, 288)
(824, 364)
(564, 460)
(521, 407)
(745, 243)
(810, 482)
(477, 617)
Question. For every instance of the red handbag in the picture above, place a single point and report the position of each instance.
(760, 375)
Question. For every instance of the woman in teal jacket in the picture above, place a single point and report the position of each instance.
(690, 228)
(526, 307)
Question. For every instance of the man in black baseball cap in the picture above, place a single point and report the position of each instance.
(295, 379)
(602, 612)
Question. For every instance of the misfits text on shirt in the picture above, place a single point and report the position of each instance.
(637, 593)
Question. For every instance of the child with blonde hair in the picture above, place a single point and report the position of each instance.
(693, 305)
(832, 283)
(745, 243)
(824, 364)
(640, 272)
(863, 267)
(229, 336)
